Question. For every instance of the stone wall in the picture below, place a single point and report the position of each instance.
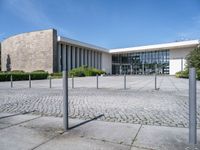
(30, 51)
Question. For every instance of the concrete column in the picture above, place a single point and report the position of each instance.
(73, 57)
(69, 56)
(82, 63)
(85, 56)
(63, 49)
(59, 57)
(78, 65)
(89, 58)
(93, 59)
(100, 60)
(96, 59)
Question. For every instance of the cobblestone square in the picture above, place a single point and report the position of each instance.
(138, 104)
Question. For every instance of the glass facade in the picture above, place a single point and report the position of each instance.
(141, 62)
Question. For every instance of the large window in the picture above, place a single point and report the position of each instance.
(141, 62)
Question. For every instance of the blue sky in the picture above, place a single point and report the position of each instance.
(106, 23)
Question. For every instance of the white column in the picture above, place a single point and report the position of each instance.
(63, 49)
(59, 57)
(89, 58)
(78, 57)
(93, 58)
(101, 61)
(96, 60)
(69, 56)
(85, 56)
(82, 57)
(73, 57)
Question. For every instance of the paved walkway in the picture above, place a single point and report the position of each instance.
(139, 104)
(34, 132)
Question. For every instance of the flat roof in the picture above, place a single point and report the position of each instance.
(83, 44)
(172, 45)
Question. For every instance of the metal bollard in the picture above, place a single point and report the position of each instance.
(97, 81)
(65, 92)
(192, 107)
(11, 81)
(72, 81)
(29, 81)
(156, 77)
(155, 81)
(49, 81)
(124, 81)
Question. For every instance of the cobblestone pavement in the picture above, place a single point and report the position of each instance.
(140, 103)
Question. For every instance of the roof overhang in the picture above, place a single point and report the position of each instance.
(174, 45)
(86, 45)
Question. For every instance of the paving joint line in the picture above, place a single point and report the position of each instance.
(136, 135)
(12, 125)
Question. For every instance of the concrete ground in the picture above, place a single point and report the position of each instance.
(35, 132)
(140, 103)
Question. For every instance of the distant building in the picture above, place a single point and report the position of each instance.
(42, 50)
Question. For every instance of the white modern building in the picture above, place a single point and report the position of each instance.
(42, 50)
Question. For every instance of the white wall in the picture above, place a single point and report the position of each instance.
(177, 59)
(107, 62)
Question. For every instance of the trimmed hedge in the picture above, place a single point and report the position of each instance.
(85, 71)
(198, 74)
(182, 74)
(23, 76)
(185, 74)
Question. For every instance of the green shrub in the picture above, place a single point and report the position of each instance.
(17, 71)
(182, 74)
(85, 71)
(17, 76)
(198, 74)
(39, 71)
(56, 75)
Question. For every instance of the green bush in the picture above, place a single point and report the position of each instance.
(17, 76)
(182, 74)
(17, 71)
(39, 71)
(198, 74)
(85, 71)
(193, 58)
(185, 74)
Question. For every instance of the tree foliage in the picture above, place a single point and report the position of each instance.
(193, 58)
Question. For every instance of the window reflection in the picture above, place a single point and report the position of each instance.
(141, 62)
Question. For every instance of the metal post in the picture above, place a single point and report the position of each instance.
(72, 81)
(192, 106)
(124, 81)
(65, 92)
(155, 76)
(97, 81)
(49, 81)
(29, 81)
(11, 81)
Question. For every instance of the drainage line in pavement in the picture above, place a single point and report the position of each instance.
(82, 123)
(22, 113)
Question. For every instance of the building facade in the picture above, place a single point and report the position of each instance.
(42, 50)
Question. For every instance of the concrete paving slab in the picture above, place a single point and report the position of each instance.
(119, 133)
(9, 121)
(140, 148)
(163, 138)
(70, 142)
(54, 124)
(21, 138)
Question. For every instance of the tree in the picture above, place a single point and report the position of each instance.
(193, 58)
